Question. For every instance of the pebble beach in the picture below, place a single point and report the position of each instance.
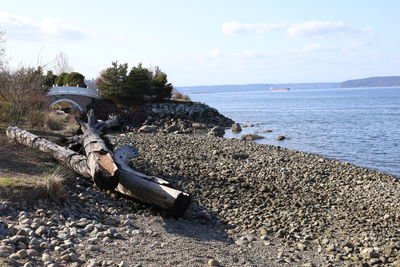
(251, 205)
(310, 203)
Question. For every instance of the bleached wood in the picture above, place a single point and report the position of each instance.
(132, 183)
(65, 156)
(122, 156)
(99, 158)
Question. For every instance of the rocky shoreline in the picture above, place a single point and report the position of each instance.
(309, 203)
(252, 205)
(183, 118)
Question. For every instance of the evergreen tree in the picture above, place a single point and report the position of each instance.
(140, 85)
(112, 81)
(61, 78)
(75, 79)
(50, 80)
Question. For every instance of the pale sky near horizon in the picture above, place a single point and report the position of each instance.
(211, 42)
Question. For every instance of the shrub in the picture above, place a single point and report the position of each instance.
(49, 80)
(21, 94)
(4, 111)
(55, 122)
(61, 78)
(140, 85)
(75, 79)
(37, 118)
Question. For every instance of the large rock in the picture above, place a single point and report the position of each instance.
(147, 129)
(251, 137)
(3, 230)
(236, 128)
(172, 128)
(217, 131)
(199, 126)
(191, 112)
(41, 230)
(369, 253)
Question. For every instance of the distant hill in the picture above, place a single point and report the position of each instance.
(252, 87)
(372, 82)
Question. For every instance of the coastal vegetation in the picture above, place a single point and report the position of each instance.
(138, 86)
(70, 79)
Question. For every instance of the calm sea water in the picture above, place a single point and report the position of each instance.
(360, 126)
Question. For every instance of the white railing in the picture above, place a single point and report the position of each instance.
(69, 90)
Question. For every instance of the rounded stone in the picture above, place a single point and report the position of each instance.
(22, 253)
(213, 262)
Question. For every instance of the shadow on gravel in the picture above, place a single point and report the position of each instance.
(196, 230)
(198, 221)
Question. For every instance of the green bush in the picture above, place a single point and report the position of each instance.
(75, 79)
(140, 85)
(70, 79)
(60, 79)
(50, 80)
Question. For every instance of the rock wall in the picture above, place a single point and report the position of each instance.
(185, 117)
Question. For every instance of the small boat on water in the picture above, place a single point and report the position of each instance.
(279, 89)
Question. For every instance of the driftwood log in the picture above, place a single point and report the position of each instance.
(99, 158)
(130, 182)
(65, 156)
(146, 188)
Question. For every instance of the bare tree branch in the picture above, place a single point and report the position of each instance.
(62, 64)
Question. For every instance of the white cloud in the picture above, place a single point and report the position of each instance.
(315, 28)
(216, 53)
(306, 29)
(238, 28)
(24, 28)
(16, 20)
(314, 50)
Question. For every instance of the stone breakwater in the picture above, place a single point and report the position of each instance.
(184, 117)
(348, 214)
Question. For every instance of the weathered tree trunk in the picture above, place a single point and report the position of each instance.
(68, 157)
(133, 184)
(99, 159)
(122, 156)
(146, 188)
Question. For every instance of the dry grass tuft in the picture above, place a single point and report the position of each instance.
(53, 183)
(65, 123)
(71, 126)
(55, 122)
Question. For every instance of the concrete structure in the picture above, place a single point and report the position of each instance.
(78, 96)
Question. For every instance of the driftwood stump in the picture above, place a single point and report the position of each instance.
(99, 158)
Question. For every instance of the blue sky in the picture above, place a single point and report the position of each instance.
(211, 42)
